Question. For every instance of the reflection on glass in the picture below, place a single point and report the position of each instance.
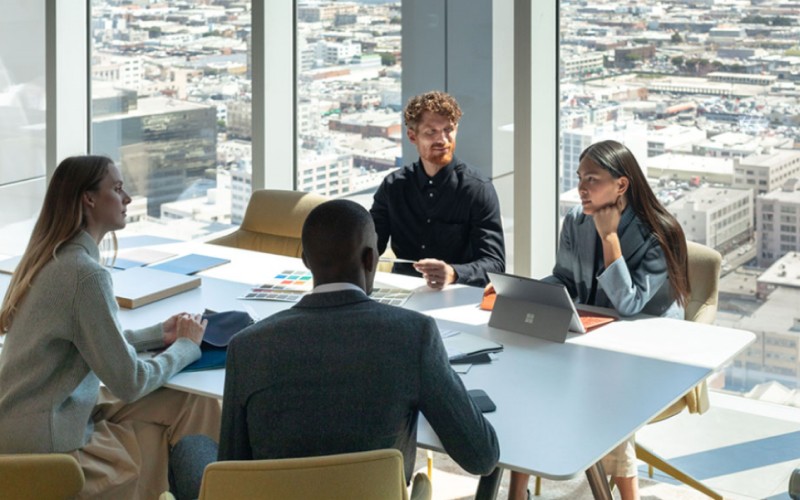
(708, 103)
(171, 95)
(22, 122)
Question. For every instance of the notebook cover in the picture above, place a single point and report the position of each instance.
(190, 264)
(592, 320)
(220, 329)
(123, 264)
(210, 359)
(138, 286)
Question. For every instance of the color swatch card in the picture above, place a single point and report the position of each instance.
(391, 296)
(273, 292)
(291, 285)
(298, 279)
(287, 286)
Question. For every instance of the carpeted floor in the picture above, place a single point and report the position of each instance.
(450, 482)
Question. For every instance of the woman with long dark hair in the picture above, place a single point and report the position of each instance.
(62, 338)
(620, 249)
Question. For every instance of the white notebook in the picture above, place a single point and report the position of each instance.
(138, 286)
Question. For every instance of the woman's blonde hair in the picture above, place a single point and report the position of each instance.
(60, 220)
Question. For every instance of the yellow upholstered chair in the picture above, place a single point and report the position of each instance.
(273, 222)
(704, 264)
(376, 474)
(51, 476)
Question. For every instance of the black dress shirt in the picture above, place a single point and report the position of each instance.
(453, 216)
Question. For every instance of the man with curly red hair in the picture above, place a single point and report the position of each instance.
(439, 212)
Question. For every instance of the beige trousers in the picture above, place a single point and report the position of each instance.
(621, 461)
(127, 455)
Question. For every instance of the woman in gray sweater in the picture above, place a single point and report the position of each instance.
(62, 338)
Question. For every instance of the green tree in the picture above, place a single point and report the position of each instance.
(388, 59)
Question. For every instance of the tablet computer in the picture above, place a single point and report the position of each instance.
(533, 307)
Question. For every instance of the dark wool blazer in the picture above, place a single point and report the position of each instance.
(340, 373)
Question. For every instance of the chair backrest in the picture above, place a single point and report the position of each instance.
(52, 476)
(376, 475)
(273, 222)
(704, 264)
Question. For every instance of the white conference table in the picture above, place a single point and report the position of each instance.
(560, 407)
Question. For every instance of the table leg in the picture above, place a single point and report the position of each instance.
(488, 485)
(598, 483)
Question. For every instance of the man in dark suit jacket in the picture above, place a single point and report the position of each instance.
(339, 372)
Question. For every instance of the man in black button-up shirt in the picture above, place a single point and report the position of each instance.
(439, 212)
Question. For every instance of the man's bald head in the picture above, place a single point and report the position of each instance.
(340, 244)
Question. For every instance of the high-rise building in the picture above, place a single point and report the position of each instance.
(161, 145)
(720, 218)
(326, 174)
(778, 216)
(632, 135)
(765, 173)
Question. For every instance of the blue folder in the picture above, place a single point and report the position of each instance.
(190, 264)
(221, 328)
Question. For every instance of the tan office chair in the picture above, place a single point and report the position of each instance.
(377, 475)
(52, 476)
(704, 264)
(273, 222)
(386, 267)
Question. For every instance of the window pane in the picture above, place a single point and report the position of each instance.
(710, 113)
(22, 122)
(349, 109)
(171, 106)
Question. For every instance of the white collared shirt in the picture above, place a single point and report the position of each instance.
(337, 287)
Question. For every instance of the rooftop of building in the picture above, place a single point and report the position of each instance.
(788, 193)
(691, 163)
(374, 118)
(673, 132)
(741, 282)
(783, 272)
(148, 106)
(707, 198)
(777, 314)
(774, 158)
